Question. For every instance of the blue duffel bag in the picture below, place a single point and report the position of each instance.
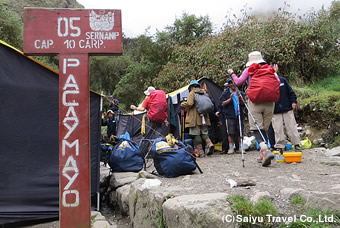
(172, 161)
(126, 157)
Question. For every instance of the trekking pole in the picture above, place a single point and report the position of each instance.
(182, 125)
(240, 125)
(198, 167)
(251, 115)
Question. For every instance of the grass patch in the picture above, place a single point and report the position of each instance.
(328, 84)
(170, 195)
(93, 217)
(317, 218)
(242, 206)
(331, 163)
(298, 202)
(326, 101)
(323, 95)
(134, 196)
(313, 217)
(159, 217)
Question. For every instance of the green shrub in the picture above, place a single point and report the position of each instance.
(242, 206)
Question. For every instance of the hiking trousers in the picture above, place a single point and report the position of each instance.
(287, 120)
(263, 114)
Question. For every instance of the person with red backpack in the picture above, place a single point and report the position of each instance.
(157, 106)
(263, 91)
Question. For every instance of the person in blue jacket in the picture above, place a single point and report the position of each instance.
(110, 123)
(229, 109)
(284, 116)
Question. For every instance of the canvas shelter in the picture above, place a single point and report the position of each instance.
(29, 164)
(132, 123)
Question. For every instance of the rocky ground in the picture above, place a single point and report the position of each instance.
(316, 179)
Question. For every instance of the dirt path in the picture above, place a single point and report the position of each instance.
(314, 173)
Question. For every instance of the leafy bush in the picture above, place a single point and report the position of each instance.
(306, 48)
(11, 28)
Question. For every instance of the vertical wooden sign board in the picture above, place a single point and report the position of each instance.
(74, 34)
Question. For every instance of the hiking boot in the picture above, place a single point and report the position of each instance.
(231, 151)
(267, 157)
(200, 150)
(224, 152)
(297, 148)
(209, 150)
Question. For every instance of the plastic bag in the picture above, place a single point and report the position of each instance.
(247, 142)
(306, 144)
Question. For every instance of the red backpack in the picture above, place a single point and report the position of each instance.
(263, 86)
(158, 106)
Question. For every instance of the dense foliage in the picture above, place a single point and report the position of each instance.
(10, 28)
(306, 48)
(186, 30)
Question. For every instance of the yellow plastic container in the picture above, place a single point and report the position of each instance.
(292, 157)
(218, 147)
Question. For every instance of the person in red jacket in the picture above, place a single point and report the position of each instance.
(156, 104)
(145, 102)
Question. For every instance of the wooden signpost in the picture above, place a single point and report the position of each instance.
(74, 34)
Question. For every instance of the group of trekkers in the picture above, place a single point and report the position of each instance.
(271, 102)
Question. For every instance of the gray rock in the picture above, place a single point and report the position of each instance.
(245, 182)
(260, 196)
(315, 199)
(205, 210)
(122, 196)
(186, 178)
(317, 141)
(288, 193)
(101, 224)
(119, 179)
(145, 204)
(99, 221)
(296, 177)
(144, 174)
(322, 200)
(104, 172)
(113, 198)
(308, 132)
(333, 152)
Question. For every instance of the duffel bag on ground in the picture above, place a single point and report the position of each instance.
(172, 161)
(126, 157)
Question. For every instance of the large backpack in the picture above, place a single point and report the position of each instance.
(172, 161)
(203, 103)
(158, 106)
(263, 86)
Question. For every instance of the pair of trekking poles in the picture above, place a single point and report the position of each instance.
(238, 93)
